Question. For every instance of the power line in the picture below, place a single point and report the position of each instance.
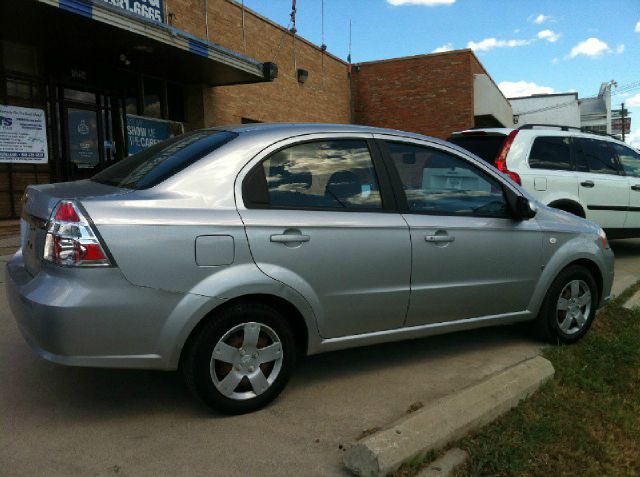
(621, 89)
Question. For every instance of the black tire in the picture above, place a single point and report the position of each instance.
(197, 366)
(548, 323)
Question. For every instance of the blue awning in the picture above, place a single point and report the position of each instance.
(219, 65)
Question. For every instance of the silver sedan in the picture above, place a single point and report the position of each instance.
(231, 252)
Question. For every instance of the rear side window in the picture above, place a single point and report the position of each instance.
(335, 174)
(553, 152)
(598, 156)
(161, 161)
(485, 147)
(629, 159)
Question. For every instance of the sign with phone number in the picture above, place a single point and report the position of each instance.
(149, 9)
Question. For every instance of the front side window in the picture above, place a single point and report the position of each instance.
(439, 183)
(552, 152)
(629, 159)
(335, 174)
(598, 156)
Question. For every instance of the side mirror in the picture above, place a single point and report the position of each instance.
(524, 209)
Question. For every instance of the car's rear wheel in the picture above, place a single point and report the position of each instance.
(569, 307)
(241, 358)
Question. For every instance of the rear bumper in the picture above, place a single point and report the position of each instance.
(95, 317)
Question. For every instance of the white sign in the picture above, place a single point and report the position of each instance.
(23, 135)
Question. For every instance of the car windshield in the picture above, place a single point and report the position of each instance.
(161, 161)
(484, 146)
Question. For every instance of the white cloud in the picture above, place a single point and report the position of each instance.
(638, 27)
(634, 139)
(540, 19)
(514, 89)
(592, 47)
(549, 35)
(620, 49)
(633, 101)
(428, 3)
(491, 43)
(443, 48)
(554, 61)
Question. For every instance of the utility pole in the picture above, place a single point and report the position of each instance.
(623, 125)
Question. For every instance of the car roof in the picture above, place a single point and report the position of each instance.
(284, 130)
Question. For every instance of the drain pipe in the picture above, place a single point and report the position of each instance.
(206, 18)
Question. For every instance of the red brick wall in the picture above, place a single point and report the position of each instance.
(428, 94)
(323, 98)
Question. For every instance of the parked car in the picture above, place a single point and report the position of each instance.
(228, 253)
(589, 175)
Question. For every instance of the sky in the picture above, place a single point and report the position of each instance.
(528, 47)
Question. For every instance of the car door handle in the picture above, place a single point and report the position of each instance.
(290, 238)
(635, 187)
(439, 238)
(588, 184)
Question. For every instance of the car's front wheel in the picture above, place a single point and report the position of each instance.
(569, 307)
(241, 358)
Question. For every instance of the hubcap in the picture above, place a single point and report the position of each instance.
(574, 306)
(246, 361)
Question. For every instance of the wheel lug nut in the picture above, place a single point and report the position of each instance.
(251, 369)
(241, 351)
(255, 356)
(238, 367)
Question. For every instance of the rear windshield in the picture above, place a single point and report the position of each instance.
(161, 161)
(485, 147)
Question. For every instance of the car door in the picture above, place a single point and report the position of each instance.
(630, 162)
(603, 190)
(470, 258)
(319, 219)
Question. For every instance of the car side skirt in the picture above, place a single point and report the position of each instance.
(422, 331)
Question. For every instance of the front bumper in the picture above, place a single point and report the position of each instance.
(92, 317)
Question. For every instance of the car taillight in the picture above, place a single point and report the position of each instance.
(501, 160)
(71, 240)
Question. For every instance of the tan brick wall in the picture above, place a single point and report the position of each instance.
(427, 94)
(323, 98)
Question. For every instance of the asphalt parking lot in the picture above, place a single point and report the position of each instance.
(58, 420)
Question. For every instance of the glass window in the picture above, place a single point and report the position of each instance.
(598, 156)
(552, 152)
(175, 102)
(157, 163)
(152, 95)
(325, 174)
(629, 159)
(484, 146)
(439, 183)
(18, 57)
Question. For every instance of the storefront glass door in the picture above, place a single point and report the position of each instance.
(84, 153)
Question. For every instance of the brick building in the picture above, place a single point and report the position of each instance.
(432, 94)
(106, 78)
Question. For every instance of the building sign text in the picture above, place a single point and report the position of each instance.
(23, 135)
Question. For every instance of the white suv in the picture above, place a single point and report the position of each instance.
(593, 176)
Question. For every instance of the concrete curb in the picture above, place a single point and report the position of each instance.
(447, 419)
(633, 302)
